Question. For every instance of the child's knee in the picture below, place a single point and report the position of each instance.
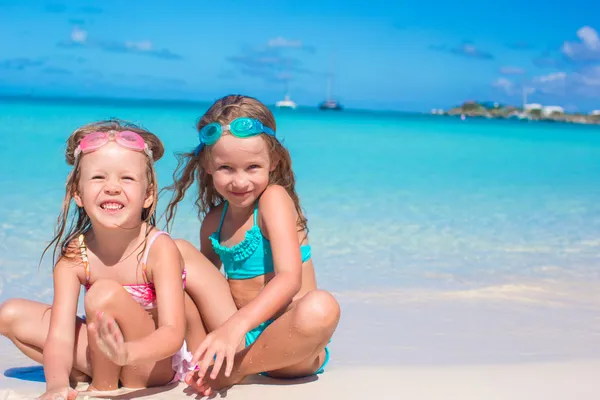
(184, 247)
(103, 294)
(318, 311)
(10, 311)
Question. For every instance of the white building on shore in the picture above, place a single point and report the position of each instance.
(532, 106)
(549, 110)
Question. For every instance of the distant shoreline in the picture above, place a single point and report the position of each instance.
(467, 109)
(474, 109)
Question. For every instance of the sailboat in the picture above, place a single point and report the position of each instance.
(330, 103)
(286, 103)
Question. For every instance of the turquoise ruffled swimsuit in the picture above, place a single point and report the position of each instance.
(250, 258)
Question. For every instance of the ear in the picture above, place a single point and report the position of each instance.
(149, 196)
(77, 199)
(207, 167)
(274, 164)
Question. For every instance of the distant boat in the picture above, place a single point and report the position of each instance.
(286, 103)
(330, 103)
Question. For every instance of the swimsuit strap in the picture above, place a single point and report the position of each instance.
(255, 212)
(147, 251)
(84, 258)
(222, 218)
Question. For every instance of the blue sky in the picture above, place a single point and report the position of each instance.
(385, 54)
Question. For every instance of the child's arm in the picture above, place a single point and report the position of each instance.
(166, 266)
(60, 343)
(209, 225)
(279, 218)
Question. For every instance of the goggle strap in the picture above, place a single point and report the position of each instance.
(269, 131)
(147, 151)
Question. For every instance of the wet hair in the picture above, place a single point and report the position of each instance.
(65, 232)
(192, 166)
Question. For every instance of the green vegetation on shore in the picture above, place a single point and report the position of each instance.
(495, 110)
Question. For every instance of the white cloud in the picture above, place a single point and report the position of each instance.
(504, 84)
(585, 82)
(591, 76)
(554, 77)
(286, 43)
(557, 83)
(79, 35)
(587, 49)
(582, 82)
(79, 39)
(589, 36)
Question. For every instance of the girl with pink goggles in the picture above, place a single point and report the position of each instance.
(128, 139)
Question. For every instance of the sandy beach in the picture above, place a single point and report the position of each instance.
(549, 381)
(498, 342)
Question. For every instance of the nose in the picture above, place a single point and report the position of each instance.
(240, 181)
(112, 189)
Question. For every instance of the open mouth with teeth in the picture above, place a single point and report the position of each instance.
(111, 206)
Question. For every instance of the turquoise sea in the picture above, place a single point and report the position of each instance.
(401, 207)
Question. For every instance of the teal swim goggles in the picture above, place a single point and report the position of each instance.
(239, 127)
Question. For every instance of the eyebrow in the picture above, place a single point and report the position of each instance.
(119, 172)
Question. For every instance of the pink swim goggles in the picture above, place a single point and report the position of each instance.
(128, 139)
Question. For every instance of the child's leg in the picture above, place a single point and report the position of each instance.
(135, 323)
(207, 286)
(292, 346)
(26, 323)
(195, 331)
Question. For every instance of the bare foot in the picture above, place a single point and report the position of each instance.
(206, 386)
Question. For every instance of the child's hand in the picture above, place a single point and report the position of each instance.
(219, 345)
(65, 393)
(105, 331)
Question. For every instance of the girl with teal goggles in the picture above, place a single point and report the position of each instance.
(239, 127)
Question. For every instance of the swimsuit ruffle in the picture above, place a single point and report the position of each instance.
(241, 251)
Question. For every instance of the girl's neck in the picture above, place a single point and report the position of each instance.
(113, 245)
(240, 215)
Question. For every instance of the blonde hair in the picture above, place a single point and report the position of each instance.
(80, 222)
(192, 167)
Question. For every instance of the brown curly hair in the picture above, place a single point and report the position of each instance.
(192, 167)
(80, 221)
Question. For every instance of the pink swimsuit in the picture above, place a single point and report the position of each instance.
(145, 295)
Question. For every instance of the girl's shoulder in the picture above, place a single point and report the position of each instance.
(74, 258)
(274, 204)
(275, 196)
(157, 239)
(160, 249)
(75, 251)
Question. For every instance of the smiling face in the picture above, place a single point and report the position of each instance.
(240, 168)
(113, 186)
